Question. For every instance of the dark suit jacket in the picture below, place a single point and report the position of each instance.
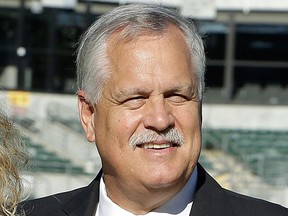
(210, 200)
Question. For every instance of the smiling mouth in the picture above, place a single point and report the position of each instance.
(157, 146)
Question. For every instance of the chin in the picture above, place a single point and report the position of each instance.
(164, 179)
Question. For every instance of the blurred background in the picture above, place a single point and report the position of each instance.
(245, 107)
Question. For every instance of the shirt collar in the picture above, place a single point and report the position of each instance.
(178, 205)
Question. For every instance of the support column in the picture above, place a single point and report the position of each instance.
(229, 60)
(21, 50)
(50, 73)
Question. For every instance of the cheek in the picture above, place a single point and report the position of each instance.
(125, 124)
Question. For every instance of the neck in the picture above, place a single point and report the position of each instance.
(140, 200)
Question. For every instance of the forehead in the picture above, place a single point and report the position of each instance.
(122, 42)
(127, 35)
(157, 57)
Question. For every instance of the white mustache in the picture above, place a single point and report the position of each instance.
(172, 135)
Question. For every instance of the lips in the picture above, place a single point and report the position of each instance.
(157, 146)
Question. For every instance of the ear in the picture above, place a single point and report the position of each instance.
(86, 113)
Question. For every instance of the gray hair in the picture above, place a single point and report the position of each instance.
(130, 21)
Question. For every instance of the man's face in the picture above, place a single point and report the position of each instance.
(151, 90)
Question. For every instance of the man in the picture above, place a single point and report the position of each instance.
(13, 157)
(140, 74)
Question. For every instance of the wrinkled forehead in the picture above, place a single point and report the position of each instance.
(123, 36)
(171, 44)
(158, 54)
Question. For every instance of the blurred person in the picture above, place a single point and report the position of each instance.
(140, 77)
(13, 157)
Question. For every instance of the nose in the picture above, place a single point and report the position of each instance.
(158, 116)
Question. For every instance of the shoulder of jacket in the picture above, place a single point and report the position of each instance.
(44, 205)
(254, 206)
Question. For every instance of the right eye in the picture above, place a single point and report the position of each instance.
(134, 102)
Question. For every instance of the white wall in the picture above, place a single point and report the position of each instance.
(246, 117)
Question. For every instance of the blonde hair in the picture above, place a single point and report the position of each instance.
(13, 157)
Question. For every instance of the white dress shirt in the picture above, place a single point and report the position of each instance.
(179, 205)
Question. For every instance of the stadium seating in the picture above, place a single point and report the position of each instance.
(265, 153)
(43, 160)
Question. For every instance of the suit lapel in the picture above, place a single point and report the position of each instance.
(210, 197)
(85, 203)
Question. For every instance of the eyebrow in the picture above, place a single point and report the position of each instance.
(187, 88)
(131, 91)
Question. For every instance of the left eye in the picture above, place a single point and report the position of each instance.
(177, 98)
